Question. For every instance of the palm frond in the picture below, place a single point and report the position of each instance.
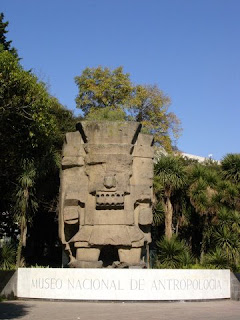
(217, 259)
(231, 167)
(172, 253)
(7, 256)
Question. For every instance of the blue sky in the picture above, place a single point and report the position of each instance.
(189, 48)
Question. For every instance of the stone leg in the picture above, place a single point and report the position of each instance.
(88, 254)
(130, 256)
(87, 258)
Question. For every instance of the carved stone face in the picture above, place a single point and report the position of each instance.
(109, 179)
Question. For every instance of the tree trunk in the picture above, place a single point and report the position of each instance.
(203, 242)
(168, 218)
(22, 239)
(177, 226)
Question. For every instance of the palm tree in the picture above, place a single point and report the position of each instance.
(226, 233)
(203, 195)
(231, 167)
(170, 176)
(25, 205)
(203, 188)
(228, 194)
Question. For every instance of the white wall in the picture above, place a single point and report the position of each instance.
(123, 284)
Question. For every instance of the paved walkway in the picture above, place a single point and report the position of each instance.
(51, 310)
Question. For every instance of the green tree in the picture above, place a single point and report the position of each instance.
(25, 205)
(4, 44)
(27, 126)
(228, 194)
(224, 240)
(32, 127)
(106, 94)
(32, 122)
(102, 88)
(170, 176)
(149, 105)
(203, 196)
(231, 167)
(203, 188)
(215, 197)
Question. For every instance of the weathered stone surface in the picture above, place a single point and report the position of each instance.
(135, 233)
(106, 191)
(131, 256)
(82, 244)
(111, 216)
(109, 132)
(72, 162)
(110, 234)
(71, 213)
(83, 234)
(73, 145)
(88, 254)
(86, 264)
(145, 215)
(109, 148)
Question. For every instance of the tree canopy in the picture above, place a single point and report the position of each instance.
(101, 88)
(106, 94)
(4, 43)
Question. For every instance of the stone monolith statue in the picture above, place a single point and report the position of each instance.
(105, 211)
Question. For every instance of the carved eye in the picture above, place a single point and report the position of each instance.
(112, 195)
(107, 195)
(118, 195)
(102, 195)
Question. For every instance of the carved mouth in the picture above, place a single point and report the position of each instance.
(109, 200)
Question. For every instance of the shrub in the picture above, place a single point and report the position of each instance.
(7, 257)
(216, 259)
(173, 254)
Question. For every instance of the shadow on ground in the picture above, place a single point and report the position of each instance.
(12, 310)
